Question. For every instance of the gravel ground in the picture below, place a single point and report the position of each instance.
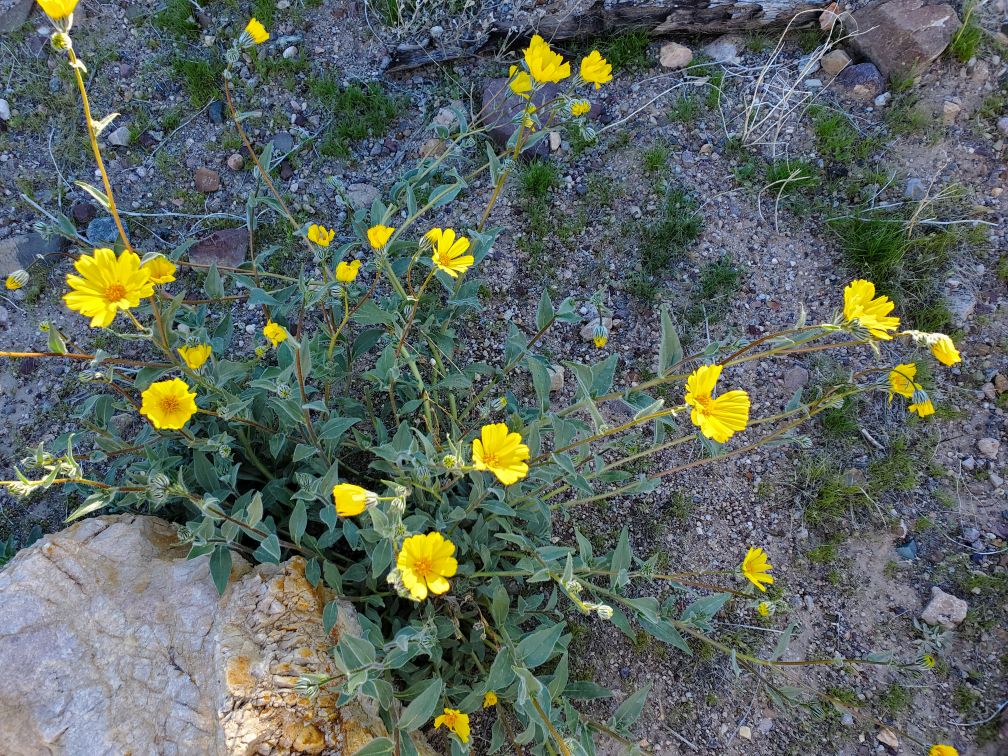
(846, 588)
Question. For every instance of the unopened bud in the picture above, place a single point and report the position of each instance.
(604, 611)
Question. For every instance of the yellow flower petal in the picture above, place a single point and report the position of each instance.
(168, 404)
(871, 312)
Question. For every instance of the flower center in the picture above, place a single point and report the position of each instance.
(490, 459)
(114, 292)
(704, 402)
(449, 721)
(169, 405)
(422, 567)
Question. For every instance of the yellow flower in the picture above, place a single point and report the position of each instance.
(455, 721)
(351, 500)
(379, 235)
(107, 284)
(256, 31)
(168, 404)
(425, 563)
(161, 269)
(544, 65)
(719, 418)
(347, 271)
(16, 280)
(595, 69)
(195, 356)
(450, 253)
(527, 121)
(922, 408)
(579, 108)
(763, 608)
(501, 452)
(757, 568)
(942, 750)
(57, 9)
(489, 699)
(944, 350)
(321, 235)
(861, 304)
(600, 336)
(901, 380)
(275, 332)
(519, 82)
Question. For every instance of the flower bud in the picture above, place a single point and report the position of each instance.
(399, 505)
(283, 390)
(600, 336)
(573, 586)
(604, 611)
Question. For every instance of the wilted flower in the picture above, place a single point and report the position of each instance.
(604, 611)
(195, 356)
(379, 235)
(107, 284)
(489, 699)
(717, 418)
(944, 350)
(501, 452)
(321, 235)
(871, 312)
(595, 69)
(756, 568)
(425, 564)
(455, 721)
(346, 272)
(275, 332)
(168, 404)
(16, 280)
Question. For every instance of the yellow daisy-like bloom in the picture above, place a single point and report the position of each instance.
(168, 404)
(756, 568)
(57, 9)
(161, 269)
(107, 284)
(501, 452)
(595, 69)
(347, 271)
(455, 721)
(901, 380)
(579, 108)
(861, 304)
(321, 235)
(519, 81)
(544, 65)
(16, 280)
(256, 31)
(425, 563)
(450, 252)
(195, 356)
(944, 350)
(923, 409)
(350, 500)
(763, 609)
(721, 418)
(942, 750)
(379, 235)
(929, 661)
(489, 699)
(275, 332)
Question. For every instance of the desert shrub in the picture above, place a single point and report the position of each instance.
(417, 482)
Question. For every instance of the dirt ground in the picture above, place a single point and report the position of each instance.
(761, 255)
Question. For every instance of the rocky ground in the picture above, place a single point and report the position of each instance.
(674, 206)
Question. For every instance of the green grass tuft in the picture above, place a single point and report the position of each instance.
(200, 79)
(656, 158)
(665, 240)
(628, 51)
(357, 111)
(966, 41)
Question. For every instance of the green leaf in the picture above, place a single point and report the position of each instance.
(97, 194)
(621, 560)
(92, 503)
(536, 648)
(419, 712)
(630, 709)
(500, 604)
(377, 747)
(220, 567)
(330, 616)
(670, 351)
(545, 312)
(782, 642)
(298, 521)
(269, 550)
(213, 285)
(254, 514)
(540, 379)
(586, 690)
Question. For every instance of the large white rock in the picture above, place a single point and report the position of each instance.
(111, 642)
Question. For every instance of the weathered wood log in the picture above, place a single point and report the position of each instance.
(683, 16)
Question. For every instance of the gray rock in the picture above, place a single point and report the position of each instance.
(796, 378)
(206, 180)
(501, 111)
(102, 231)
(861, 82)
(15, 15)
(1002, 125)
(227, 248)
(109, 613)
(216, 112)
(361, 195)
(970, 534)
(915, 190)
(5, 114)
(290, 53)
(20, 252)
(882, 100)
(235, 161)
(961, 303)
(944, 609)
(724, 49)
(120, 137)
(282, 143)
(900, 36)
(834, 62)
(989, 447)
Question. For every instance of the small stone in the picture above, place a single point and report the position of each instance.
(847, 720)
(961, 303)
(1000, 383)
(290, 53)
(235, 161)
(433, 147)
(120, 137)
(915, 190)
(882, 100)
(969, 464)
(227, 247)
(764, 725)
(854, 477)
(282, 143)
(361, 195)
(796, 378)
(436, 32)
(745, 732)
(901, 36)
(861, 82)
(5, 113)
(944, 609)
(724, 49)
(83, 212)
(950, 111)
(1002, 125)
(828, 17)
(970, 534)
(4, 317)
(674, 55)
(557, 373)
(102, 232)
(887, 738)
(834, 62)
(216, 112)
(148, 139)
(989, 447)
(286, 170)
(206, 180)
(554, 141)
